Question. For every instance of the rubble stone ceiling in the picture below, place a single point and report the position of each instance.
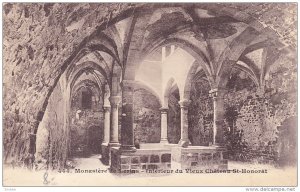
(281, 17)
(207, 26)
(42, 40)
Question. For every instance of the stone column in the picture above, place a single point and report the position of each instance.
(184, 140)
(114, 128)
(127, 132)
(218, 132)
(106, 123)
(163, 54)
(164, 125)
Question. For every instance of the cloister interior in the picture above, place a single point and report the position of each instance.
(149, 86)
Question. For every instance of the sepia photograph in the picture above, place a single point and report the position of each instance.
(149, 94)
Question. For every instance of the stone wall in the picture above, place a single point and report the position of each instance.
(174, 118)
(52, 139)
(255, 118)
(255, 115)
(200, 113)
(38, 39)
(146, 117)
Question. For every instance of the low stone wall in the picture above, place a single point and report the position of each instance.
(193, 157)
(140, 160)
(199, 157)
(165, 146)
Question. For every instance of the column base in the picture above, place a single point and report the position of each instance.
(164, 141)
(217, 145)
(105, 153)
(184, 143)
(114, 144)
(127, 148)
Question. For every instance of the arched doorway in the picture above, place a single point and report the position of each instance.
(86, 119)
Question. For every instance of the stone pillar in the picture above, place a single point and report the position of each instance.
(164, 125)
(163, 54)
(114, 128)
(172, 49)
(184, 140)
(106, 124)
(127, 132)
(218, 100)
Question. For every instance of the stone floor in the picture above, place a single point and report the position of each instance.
(89, 162)
(274, 176)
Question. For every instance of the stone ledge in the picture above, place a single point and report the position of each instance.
(199, 157)
(140, 160)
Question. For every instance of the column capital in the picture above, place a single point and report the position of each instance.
(217, 92)
(184, 103)
(106, 108)
(115, 100)
(164, 109)
(127, 84)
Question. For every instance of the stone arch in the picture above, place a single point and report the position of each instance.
(87, 83)
(69, 85)
(243, 45)
(232, 12)
(174, 120)
(97, 62)
(117, 39)
(136, 31)
(99, 47)
(252, 76)
(226, 10)
(116, 77)
(89, 68)
(86, 92)
(140, 85)
(198, 54)
(231, 54)
(252, 69)
(78, 52)
(188, 82)
(99, 81)
(107, 42)
(75, 56)
(270, 56)
(256, 46)
(167, 91)
(106, 96)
